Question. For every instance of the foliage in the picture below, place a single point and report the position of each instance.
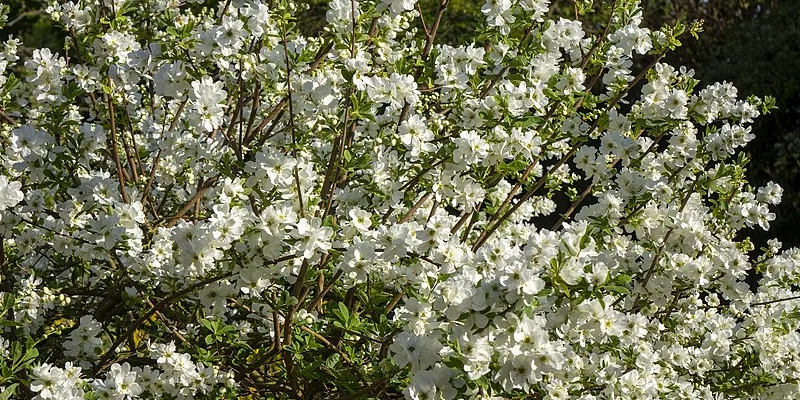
(758, 56)
(222, 200)
(32, 26)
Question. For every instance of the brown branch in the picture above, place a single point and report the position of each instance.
(365, 392)
(461, 221)
(114, 151)
(426, 51)
(393, 303)
(487, 234)
(157, 159)
(291, 121)
(191, 202)
(591, 185)
(168, 323)
(7, 118)
(105, 360)
(414, 208)
(223, 11)
(133, 138)
(338, 351)
(317, 301)
(764, 303)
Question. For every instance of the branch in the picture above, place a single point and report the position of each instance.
(114, 151)
(105, 360)
(208, 184)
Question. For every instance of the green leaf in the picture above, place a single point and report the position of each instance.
(332, 361)
(623, 279)
(8, 391)
(16, 352)
(617, 289)
(30, 354)
(343, 313)
(8, 301)
(207, 324)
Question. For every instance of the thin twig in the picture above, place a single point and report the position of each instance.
(114, 151)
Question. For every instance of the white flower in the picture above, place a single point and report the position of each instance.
(490, 222)
(10, 193)
(419, 351)
(571, 81)
(206, 98)
(314, 236)
(120, 383)
(771, 193)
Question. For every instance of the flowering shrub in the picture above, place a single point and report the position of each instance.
(198, 202)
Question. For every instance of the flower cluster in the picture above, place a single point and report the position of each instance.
(197, 201)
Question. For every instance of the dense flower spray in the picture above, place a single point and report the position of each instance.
(197, 201)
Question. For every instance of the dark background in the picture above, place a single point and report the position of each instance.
(754, 44)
